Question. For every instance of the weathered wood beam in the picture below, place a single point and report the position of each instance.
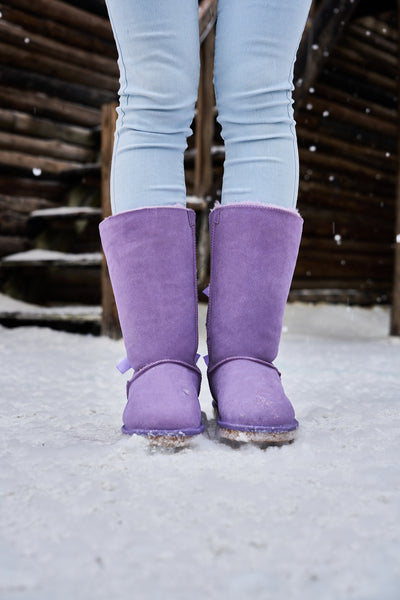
(37, 44)
(22, 123)
(110, 321)
(73, 92)
(207, 17)
(42, 163)
(365, 154)
(53, 30)
(68, 15)
(319, 39)
(46, 147)
(41, 105)
(354, 117)
(37, 62)
(203, 172)
(395, 314)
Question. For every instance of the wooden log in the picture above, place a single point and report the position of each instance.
(17, 57)
(68, 15)
(19, 37)
(49, 148)
(376, 38)
(379, 26)
(24, 204)
(353, 101)
(23, 123)
(395, 313)
(50, 190)
(203, 175)
(53, 284)
(205, 119)
(335, 163)
(345, 181)
(110, 321)
(366, 58)
(365, 154)
(207, 17)
(344, 246)
(353, 117)
(10, 244)
(326, 223)
(42, 105)
(317, 265)
(15, 212)
(318, 194)
(349, 296)
(365, 52)
(340, 62)
(54, 87)
(354, 283)
(51, 29)
(326, 29)
(42, 163)
(350, 84)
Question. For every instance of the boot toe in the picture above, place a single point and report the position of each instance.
(162, 400)
(250, 397)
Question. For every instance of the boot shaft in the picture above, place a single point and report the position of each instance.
(151, 258)
(254, 249)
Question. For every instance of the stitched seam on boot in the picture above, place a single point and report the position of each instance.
(163, 361)
(196, 311)
(249, 358)
(212, 278)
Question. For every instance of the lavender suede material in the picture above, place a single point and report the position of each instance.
(254, 250)
(151, 258)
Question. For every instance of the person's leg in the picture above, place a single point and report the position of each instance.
(255, 50)
(150, 242)
(255, 234)
(158, 47)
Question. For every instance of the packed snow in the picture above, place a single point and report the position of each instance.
(87, 512)
(53, 256)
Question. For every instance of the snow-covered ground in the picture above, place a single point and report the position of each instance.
(88, 513)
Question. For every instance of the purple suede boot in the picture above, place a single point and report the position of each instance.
(151, 257)
(254, 249)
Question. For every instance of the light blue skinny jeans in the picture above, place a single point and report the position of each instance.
(255, 50)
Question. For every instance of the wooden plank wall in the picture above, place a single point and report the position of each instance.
(348, 155)
(58, 67)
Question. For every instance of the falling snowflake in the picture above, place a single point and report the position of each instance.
(338, 239)
(37, 172)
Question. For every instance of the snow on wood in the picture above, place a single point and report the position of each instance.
(38, 257)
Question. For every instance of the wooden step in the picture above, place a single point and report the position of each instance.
(48, 277)
(46, 258)
(72, 318)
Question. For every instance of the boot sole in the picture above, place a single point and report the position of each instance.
(175, 439)
(259, 437)
(170, 441)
